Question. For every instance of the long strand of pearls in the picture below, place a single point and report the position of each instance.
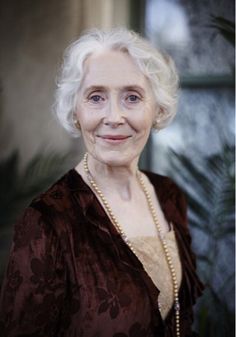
(125, 238)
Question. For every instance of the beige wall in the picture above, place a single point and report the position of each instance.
(33, 36)
(105, 13)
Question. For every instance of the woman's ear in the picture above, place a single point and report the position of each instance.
(158, 117)
(76, 122)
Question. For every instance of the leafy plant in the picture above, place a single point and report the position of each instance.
(225, 27)
(209, 185)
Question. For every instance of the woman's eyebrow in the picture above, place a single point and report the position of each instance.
(94, 88)
(131, 87)
(134, 87)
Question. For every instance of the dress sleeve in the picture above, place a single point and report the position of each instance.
(33, 287)
(193, 285)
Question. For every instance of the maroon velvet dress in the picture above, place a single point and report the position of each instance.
(70, 274)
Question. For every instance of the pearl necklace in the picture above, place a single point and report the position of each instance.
(125, 238)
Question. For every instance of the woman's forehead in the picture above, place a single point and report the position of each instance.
(112, 69)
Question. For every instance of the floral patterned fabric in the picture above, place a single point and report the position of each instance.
(70, 274)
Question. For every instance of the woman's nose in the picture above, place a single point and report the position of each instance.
(114, 113)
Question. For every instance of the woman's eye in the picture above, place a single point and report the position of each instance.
(133, 98)
(95, 98)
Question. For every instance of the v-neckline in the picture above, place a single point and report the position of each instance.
(150, 285)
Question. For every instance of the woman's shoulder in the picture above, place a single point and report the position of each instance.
(59, 195)
(55, 201)
(48, 212)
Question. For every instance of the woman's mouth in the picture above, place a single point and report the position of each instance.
(114, 139)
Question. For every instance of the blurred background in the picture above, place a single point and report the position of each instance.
(197, 150)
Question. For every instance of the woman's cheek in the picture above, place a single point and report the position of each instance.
(142, 121)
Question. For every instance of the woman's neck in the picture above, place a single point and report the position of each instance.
(122, 179)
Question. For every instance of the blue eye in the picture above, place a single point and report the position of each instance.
(133, 98)
(96, 98)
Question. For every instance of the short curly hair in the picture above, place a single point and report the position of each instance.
(157, 67)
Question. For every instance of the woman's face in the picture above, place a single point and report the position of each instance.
(115, 108)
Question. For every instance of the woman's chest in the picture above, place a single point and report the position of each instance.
(139, 221)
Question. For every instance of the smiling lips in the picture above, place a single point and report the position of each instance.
(117, 139)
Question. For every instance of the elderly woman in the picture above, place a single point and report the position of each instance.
(105, 252)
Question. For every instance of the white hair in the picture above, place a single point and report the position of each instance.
(157, 67)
